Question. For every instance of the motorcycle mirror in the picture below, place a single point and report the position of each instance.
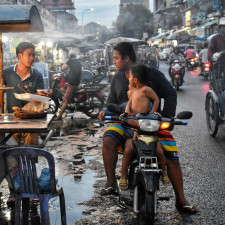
(114, 108)
(185, 115)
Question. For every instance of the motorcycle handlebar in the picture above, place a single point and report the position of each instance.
(180, 123)
(119, 118)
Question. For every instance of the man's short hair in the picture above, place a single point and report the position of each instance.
(126, 49)
(23, 46)
(141, 73)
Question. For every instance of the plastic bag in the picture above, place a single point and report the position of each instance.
(44, 182)
(16, 182)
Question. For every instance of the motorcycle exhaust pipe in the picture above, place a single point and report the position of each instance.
(135, 202)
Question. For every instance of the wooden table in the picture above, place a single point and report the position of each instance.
(10, 125)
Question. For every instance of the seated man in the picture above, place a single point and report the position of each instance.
(25, 79)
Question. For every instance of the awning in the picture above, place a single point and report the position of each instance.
(174, 35)
(209, 24)
(159, 36)
(20, 18)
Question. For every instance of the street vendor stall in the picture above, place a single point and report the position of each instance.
(16, 18)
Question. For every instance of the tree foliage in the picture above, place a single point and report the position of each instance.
(133, 20)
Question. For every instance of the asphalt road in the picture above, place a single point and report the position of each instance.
(202, 159)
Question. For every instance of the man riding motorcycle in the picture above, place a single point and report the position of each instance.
(124, 59)
(176, 55)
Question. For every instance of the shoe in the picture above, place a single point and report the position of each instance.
(108, 191)
(123, 184)
(166, 180)
(187, 209)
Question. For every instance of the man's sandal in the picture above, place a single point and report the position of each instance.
(107, 191)
(187, 209)
(166, 180)
(123, 184)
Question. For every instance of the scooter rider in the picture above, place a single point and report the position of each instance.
(176, 55)
(124, 59)
(203, 55)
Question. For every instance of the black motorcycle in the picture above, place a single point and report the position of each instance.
(144, 172)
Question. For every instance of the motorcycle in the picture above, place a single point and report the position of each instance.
(144, 172)
(87, 99)
(177, 74)
(205, 70)
(192, 63)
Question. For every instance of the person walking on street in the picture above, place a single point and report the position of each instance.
(113, 141)
(73, 79)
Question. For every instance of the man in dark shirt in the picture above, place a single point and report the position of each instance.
(73, 79)
(124, 59)
(217, 42)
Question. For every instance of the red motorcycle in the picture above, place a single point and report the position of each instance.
(87, 98)
(177, 74)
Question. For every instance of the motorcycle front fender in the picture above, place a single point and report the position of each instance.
(148, 180)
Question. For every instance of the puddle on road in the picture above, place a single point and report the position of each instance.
(75, 191)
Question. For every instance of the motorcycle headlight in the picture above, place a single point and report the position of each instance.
(149, 125)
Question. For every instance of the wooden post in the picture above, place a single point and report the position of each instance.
(1, 76)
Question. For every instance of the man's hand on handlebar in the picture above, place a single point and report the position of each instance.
(101, 115)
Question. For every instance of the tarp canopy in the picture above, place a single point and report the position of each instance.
(121, 39)
(20, 18)
(209, 23)
(159, 36)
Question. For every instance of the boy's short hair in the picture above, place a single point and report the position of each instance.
(23, 46)
(141, 73)
(126, 49)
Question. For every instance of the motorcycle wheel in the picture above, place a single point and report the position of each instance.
(206, 76)
(53, 106)
(177, 85)
(96, 105)
(212, 115)
(146, 204)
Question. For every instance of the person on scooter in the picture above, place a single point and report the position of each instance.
(73, 79)
(203, 55)
(139, 100)
(176, 55)
(113, 141)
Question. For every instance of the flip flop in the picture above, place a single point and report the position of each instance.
(107, 191)
(187, 209)
(166, 180)
(123, 184)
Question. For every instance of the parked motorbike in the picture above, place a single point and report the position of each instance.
(205, 70)
(144, 172)
(87, 98)
(177, 74)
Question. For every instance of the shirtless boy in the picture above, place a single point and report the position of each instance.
(139, 102)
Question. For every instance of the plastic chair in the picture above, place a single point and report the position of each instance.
(26, 158)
